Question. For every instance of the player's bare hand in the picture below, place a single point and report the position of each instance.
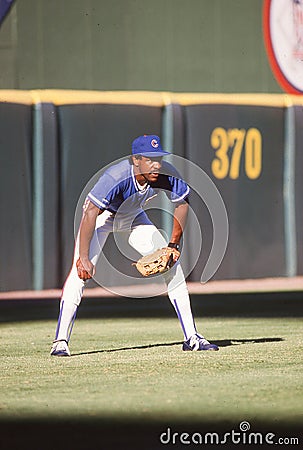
(175, 255)
(85, 269)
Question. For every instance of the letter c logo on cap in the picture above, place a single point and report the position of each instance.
(154, 143)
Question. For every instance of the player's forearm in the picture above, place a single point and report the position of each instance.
(87, 228)
(180, 218)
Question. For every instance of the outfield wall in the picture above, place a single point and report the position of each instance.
(53, 142)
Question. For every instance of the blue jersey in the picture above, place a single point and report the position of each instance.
(118, 186)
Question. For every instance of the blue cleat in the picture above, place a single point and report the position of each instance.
(60, 348)
(197, 343)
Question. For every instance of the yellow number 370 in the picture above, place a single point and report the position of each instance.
(229, 145)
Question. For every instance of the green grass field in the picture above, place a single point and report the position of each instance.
(133, 370)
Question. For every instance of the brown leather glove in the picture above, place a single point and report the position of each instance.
(157, 262)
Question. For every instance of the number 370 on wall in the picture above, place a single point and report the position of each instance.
(231, 146)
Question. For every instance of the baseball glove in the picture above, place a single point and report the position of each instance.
(157, 262)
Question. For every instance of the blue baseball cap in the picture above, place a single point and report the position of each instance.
(148, 145)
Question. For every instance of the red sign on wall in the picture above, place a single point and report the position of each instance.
(283, 36)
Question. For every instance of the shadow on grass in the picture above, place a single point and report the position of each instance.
(220, 343)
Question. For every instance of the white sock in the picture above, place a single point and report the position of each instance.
(70, 300)
(183, 310)
(179, 297)
(66, 320)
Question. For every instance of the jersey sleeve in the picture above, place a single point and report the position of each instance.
(104, 192)
(179, 190)
(170, 180)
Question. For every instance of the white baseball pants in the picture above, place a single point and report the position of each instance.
(144, 238)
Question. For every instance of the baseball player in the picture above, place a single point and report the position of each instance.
(116, 203)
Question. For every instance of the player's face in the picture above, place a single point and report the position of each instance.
(147, 168)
